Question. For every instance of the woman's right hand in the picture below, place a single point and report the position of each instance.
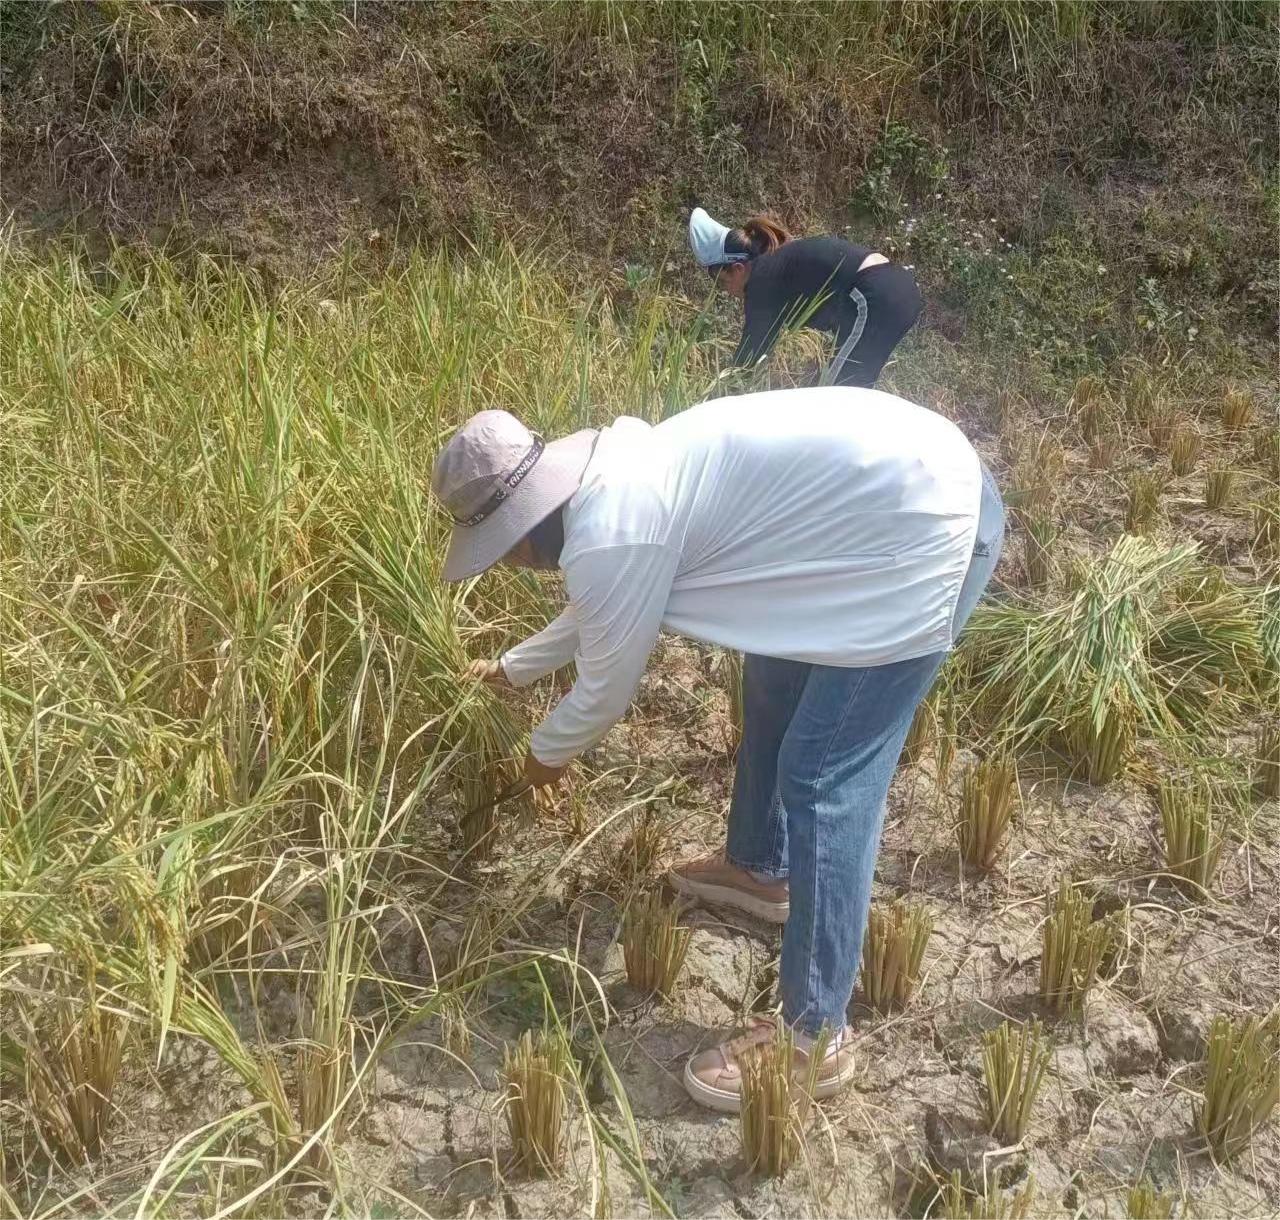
(490, 673)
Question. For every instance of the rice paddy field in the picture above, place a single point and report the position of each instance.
(258, 958)
(268, 949)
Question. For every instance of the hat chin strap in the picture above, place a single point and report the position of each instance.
(510, 483)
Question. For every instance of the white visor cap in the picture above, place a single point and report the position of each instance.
(706, 237)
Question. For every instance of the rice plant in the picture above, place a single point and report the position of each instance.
(1104, 449)
(1218, 485)
(1101, 736)
(1164, 424)
(1038, 552)
(987, 804)
(1267, 765)
(775, 1106)
(1014, 1061)
(729, 661)
(1193, 834)
(1144, 1202)
(1142, 507)
(1236, 410)
(640, 852)
(1184, 450)
(921, 734)
(1074, 947)
(958, 1203)
(653, 945)
(64, 1054)
(1266, 451)
(1241, 1082)
(1266, 527)
(945, 744)
(535, 1073)
(1147, 643)
(892, 953)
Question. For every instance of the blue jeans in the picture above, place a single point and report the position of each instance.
(819, 748)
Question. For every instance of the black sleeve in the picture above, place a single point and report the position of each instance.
(760, 327)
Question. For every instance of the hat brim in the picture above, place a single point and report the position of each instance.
(551, 483)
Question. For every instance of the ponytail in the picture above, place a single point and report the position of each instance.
(759, 235)
(765, 234)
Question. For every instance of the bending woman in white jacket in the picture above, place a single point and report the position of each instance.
(840, 538)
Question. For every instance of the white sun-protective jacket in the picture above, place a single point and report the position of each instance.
(831, 525)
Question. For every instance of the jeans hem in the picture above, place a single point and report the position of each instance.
(767, 871)
(804, 1024)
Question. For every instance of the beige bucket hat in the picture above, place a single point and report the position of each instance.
(498, 480)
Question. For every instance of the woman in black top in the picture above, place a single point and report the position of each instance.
(826, 283)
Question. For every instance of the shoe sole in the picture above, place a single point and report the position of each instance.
(725, 895)
(727, 1102)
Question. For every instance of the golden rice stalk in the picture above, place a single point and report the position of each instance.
(1237, 410)
(944, 746)
(1087, 390)
(1163, 424)
(892, 952)
(1074, 946)
(455, 1030)
(653, 945)
(70, 1054)
(640, 851)
(479, 824)
(1242, 1081)
(921, 734)
(1014, 1061)
(1143, 505)
(1266, 451)
(1218, 484)
(1144, 1202)
(1142, 398)
(1268, 761)
(1090, 406)
(1193, 836)
(1104, 449)
(1266, 526)
(957, 1203)
(987, 805)
(774, 1106)
(1038, 560)
(1184, 450)
(1102, 741)
(534, 1075)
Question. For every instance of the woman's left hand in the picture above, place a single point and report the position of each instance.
(539, 774)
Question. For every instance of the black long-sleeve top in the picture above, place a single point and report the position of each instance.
(806, 281)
